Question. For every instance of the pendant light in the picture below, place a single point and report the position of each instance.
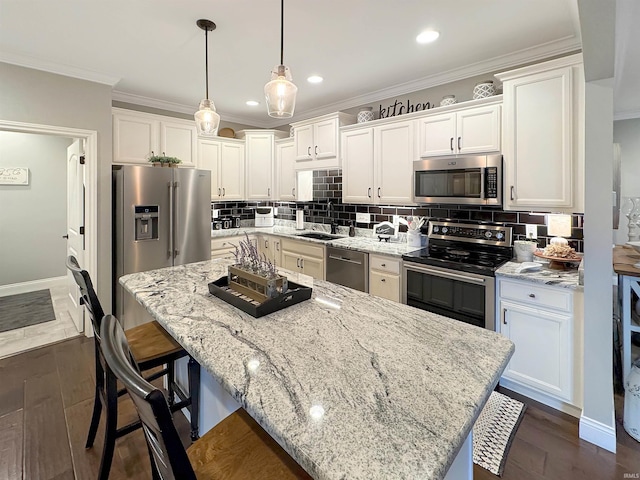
(280, 92)
(207, 119)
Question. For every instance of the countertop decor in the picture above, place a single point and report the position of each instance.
(545, 276)
(351, 385)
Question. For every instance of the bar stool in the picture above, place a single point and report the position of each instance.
(235, 449)
(151, 347)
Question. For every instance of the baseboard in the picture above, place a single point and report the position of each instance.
(32, 286)
(548, 400)
(598, 433)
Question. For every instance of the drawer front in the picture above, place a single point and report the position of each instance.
(384, 264)
(384, 286)
(537, 295)
(304, 248)
(231, 242)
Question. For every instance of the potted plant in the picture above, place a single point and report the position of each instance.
(164, 161)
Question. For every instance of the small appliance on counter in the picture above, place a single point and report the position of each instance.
(216, 225)
(235, 222)
(264, 217)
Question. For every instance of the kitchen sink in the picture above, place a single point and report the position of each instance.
(319, 236)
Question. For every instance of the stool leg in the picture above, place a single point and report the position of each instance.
(97, 403)
(171, 378)
(111, 415)
(95, 419)
(194, 392)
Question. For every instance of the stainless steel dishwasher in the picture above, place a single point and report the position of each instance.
(348, 267)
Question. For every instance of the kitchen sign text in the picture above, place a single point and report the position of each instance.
(399, 108)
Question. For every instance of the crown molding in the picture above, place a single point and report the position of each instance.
(626, 114)
(540, 52)
(57, 68)
(119, 96)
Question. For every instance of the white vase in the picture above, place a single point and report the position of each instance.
(365, 115)
(447, 100)
(484, 89)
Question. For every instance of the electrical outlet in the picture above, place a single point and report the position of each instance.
(532, 231)
(363, 218)
(275, 211)
(216, 213)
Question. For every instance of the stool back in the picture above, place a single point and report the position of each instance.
(88, 298)
(169, 459)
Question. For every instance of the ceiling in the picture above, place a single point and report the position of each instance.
(152, 52)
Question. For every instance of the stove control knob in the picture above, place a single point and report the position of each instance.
(488, 234)
(499, 235)
(445, 229)
(436, 229)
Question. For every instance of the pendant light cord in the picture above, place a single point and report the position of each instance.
(281, 32)
(206, 62)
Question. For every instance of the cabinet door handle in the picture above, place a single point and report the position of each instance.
(164, 154)
(219, 191)
(293, 191)
(383, 264)
(266, 244)
(268, 192)
(451, 144)
(383, 280)
(224, 192)
(298, 262)
(309, 150)
(277, 246)
(369, 192)
(302, 263)
(532, 295)
(315, 150)
(379, 192)
(512, 192)
(504, 316)
(459, 147)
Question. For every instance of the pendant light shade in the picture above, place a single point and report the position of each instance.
(207, 119)
(280, 92)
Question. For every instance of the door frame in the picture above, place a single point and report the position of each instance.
(90, 138)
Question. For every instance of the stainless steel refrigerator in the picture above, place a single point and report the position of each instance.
(161, 218)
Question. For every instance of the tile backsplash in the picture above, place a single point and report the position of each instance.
(327, 187)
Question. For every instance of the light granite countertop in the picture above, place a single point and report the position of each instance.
(362, 242)
(400, 387)
(546, 276)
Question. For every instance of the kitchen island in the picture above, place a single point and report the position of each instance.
(352, 386)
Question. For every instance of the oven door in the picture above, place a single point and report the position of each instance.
(463, 296)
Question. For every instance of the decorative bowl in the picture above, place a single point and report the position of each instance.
(635, 246)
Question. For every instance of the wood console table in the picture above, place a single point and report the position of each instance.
(624, 259)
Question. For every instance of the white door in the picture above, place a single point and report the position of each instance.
(393, 160)
(437, 135)
(75, 226)
(259, 154)
(478, 129)
(357, 166)
(232, 171)
(325, 135)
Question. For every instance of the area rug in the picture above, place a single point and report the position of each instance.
(494, 431)
(24, 309)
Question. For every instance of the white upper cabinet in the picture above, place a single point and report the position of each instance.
(225, 160)
(317, 141)
(377, 163)
(543, 135)
(260, 160)
(465, 131)
(285, 183)
(138, 135)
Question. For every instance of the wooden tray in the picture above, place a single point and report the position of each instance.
(295, 294)
(557, 263)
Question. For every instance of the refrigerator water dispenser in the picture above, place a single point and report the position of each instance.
(146, 218)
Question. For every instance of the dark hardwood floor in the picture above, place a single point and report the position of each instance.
(46, 398)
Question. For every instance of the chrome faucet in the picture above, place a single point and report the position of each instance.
(334, 224)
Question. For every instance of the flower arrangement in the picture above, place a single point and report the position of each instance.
(253, 274)
(163, 160)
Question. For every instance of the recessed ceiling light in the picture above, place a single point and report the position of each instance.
(427, 36)
(252, 103)
(315, 79)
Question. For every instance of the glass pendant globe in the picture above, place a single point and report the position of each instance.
(207, 119)
(280, 93)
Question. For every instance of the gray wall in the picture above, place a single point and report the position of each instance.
(34, 216)
(32, 96)
(627, 134)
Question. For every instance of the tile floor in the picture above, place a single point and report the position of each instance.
(34, 336)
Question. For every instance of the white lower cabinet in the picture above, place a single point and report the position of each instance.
(225, 247)
(384, 277)
(270, 247)
(303, 257)
(545, 324)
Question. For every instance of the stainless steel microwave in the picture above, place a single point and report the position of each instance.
(475, 180)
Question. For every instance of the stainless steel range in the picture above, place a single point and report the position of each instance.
(455, 275)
